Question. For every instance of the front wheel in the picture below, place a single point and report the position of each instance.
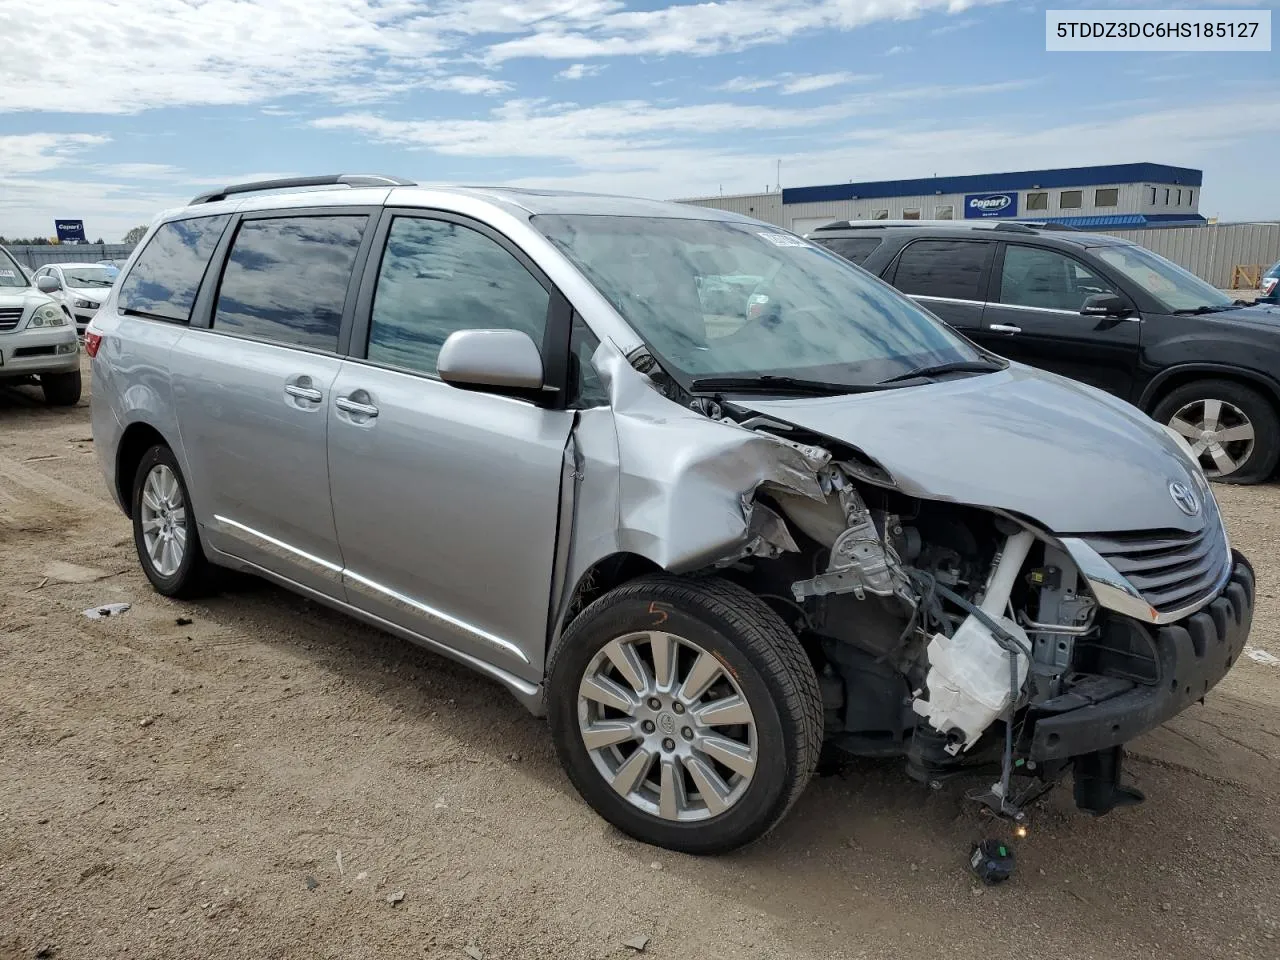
(61, 389)
(685, 712)
(1232, 430)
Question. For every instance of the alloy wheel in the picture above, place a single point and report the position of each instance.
(164, 520)
(667, 726)
(1220, 434)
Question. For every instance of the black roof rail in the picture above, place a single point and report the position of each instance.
(834, 225)
(330, 180)
(1014, 226)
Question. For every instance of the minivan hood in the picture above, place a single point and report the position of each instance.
(1061, 453)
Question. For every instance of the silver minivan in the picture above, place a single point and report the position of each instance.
(710, 497)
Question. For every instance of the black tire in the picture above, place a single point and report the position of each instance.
(1261, 461)
(195, 575)
(61, 389)
(767, 662)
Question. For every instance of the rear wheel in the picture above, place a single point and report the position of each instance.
(61, 389)
(1233, 430)
(685, 712)
(164, 529)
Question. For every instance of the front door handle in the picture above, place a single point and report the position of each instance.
(303, 393)
(1006, 328)
(354, 406)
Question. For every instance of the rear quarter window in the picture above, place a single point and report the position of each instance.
(853, 249)
(166, 277)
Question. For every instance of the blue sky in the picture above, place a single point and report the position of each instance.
(137, 105)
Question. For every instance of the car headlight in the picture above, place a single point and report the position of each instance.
(49, 315)
(86, 305)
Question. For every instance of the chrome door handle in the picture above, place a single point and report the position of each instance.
(351, 406)
(303, 393)
(1004, 328)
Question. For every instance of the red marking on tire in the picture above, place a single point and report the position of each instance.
(658, 612)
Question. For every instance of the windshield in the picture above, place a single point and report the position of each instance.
(88, 276)
(720, 299)
(1175, 288)
(11, 275)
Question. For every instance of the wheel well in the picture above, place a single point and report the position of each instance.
(1181, 379)
(604, 575)
(138, 439)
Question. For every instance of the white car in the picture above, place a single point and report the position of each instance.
(81, 287)
(37, 335)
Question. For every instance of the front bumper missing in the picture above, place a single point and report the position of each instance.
(1192, 656)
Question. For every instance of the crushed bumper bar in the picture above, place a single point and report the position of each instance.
(1193, 655)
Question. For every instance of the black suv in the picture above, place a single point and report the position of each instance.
(1100, 310)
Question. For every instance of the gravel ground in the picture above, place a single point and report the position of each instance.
(273, 780)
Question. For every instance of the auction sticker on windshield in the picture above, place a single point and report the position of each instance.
(783, 240)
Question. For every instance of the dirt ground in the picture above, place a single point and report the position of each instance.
(273, 780)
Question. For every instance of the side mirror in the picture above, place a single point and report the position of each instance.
(1106, 305)
(501, 360)
(48, 284)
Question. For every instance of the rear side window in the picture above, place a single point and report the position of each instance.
(955, 269)
(166, 277)
(854, 249)
(286, 279)
(438, 277)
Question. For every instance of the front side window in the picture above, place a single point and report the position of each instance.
(438, 277)
(853, 249)
(166, 277)
(1071, 199)
(1038, 201)
(1047, 279)
(1177, 290)
(286, 279)
(1106, 197)
(812, 314)
(944, 268)
(11, 273)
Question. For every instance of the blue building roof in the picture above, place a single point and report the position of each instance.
(995, 182)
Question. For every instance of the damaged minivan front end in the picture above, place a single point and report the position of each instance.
(988, 568)
(956, 633)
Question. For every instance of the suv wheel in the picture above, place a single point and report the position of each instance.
(164, 529)
(685, 712)
(1233, 430)
(61, 389)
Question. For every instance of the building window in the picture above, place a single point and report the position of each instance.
(1071, 199)
(944, 212)
(1191, 198)
(911, 213)
(1038, 201)
(880, 215)
(1166, 196)
(1151, 197)
(1106, 197)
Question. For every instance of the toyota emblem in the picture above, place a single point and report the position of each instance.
(1184, 497)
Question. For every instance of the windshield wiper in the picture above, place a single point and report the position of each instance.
(955, 366)
(1207, 308)
(771, 383)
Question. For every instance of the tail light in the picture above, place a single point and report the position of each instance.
(1269, 284)
(92, 341)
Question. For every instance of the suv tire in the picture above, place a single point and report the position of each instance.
(61, 389)
(761, 712)
(1228, 406)
(164, 528)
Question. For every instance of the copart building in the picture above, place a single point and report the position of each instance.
(1124, 196)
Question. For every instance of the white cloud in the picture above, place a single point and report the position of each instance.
(896, 50)
(955, 26)
(577, 71)
(125, 56)
(792, 83)
(36, 152)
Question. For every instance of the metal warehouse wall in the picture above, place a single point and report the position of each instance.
(38, 256)
(1211, 252)
(762, 206)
